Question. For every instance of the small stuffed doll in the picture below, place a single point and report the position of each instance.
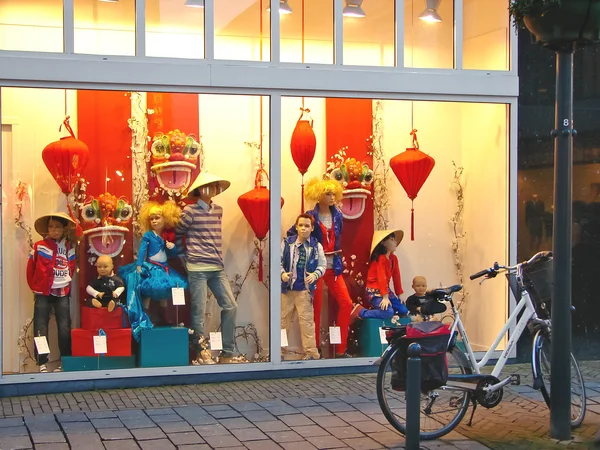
(106, 288)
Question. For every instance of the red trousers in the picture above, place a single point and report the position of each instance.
(337, 288)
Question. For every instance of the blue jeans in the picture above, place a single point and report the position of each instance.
(396, 307)
(218, 283)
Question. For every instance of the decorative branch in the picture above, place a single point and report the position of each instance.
(381, 198)
(25, 343)
(21, 196)
(459, 235)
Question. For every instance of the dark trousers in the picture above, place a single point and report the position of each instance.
(41, 316)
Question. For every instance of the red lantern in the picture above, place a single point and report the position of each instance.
(255, 206)
(412, 168)
(303, 145)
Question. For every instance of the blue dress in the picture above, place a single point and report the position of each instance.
(157, 278)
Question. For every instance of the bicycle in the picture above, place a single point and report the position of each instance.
(443, 408)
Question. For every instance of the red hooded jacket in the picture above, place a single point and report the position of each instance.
(40, 265)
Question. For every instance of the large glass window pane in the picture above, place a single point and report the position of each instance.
(141, 148)
(429, 34)
(369, 33)
(354, 141)
(307, 32)
(104, 27)
(31, 25)
(486, 27)
(175, 28)
(243, 30)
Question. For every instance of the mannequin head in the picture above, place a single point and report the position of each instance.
(324, 192)
(419, 285)
(57, 228)
(157, 217)
(305, 224)
(104, 266)
(387, 246)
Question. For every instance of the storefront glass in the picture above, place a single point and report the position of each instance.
(429, 34)
(31, 25)
(105, 27)
(242, 30)
(174, 29)
(486, 28)
(307, 32)
(141, 147)
(355, 142)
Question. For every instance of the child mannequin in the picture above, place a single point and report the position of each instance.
(382, 269)
(157, 277)
(106, 288)
(419, 303)
(50, 267)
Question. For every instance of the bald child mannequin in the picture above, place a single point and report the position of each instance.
(418, 299)
(106, 288)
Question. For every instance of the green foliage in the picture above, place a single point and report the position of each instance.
(519, 9)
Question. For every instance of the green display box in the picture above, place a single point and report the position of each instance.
(79, 363)
(164, 347)
(369, 342)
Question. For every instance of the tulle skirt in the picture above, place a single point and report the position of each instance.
(157, 281)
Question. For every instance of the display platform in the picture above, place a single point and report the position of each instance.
(369, 342)
(118, 342)
(80, 363)
(164, 347)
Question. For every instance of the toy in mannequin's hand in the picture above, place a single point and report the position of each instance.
(106, 288)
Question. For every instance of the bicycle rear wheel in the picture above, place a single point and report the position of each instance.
(441, 409)
(542, 355)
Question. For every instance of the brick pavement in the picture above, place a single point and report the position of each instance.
(302, 413)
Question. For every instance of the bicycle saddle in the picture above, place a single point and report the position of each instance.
(442, 292)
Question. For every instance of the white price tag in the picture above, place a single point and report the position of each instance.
(335, 335)
(216, 341)
(178, 296)
(382, 336)
(100, 345)
(41, 343)
(284, 341)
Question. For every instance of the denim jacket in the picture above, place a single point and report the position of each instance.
(315, 260)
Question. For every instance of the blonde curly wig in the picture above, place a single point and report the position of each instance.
(315, 189)
(169, 210)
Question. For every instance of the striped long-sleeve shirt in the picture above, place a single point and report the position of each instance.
(201, 225)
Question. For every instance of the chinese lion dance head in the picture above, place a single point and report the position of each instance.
(173, 157)
(105, 221)
(357, 179)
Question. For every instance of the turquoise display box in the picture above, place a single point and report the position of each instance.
(79, 363)
(164, 347)
(369, 342)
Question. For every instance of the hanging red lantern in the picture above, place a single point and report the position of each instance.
(65, 160)
(412, 168)
(255, 207)
(303, 145)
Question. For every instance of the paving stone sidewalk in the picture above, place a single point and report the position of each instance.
(302, 413)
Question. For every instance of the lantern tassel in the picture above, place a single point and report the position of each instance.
(302, 196)
(260, 260)
(412, 222)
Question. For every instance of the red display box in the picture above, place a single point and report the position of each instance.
(96, 318)
(118, 342)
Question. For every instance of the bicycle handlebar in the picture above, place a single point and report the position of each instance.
(493, 271)
(479, 274)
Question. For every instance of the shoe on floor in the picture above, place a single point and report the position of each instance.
(43, 368)
(355, 313)
(343, 355)
(228, 358)
(59, 368)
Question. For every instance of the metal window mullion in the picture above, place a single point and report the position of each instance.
(458, 34)
(338, 29)
(275, 33)
(140, 28)
(209, 30)
(513, 36)
(399, 31)
(68, 27)
(275, 227)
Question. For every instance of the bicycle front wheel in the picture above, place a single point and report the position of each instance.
(542, 355)
(441, 409)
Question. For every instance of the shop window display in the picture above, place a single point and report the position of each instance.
(133, 216)
(371, 254)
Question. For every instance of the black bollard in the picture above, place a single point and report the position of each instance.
(413, 397)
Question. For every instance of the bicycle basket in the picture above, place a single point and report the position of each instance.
(538, 281)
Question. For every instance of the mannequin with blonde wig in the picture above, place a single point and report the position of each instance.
(327, 193)
(169, 210)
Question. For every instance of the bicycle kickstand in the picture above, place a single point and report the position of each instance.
(474, 400)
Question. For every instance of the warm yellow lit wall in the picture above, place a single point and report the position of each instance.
(27, 128)
(473, 136)
(31, 25)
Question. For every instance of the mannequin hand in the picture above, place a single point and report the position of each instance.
(115, 295)
(385, 303)
(310, 278)
(139, 269)
(285, 276)
(100, 294)
(170, 245)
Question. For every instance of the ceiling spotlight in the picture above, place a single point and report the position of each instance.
(430, 14)
(353, 9)
(194, 3)
(284, 8)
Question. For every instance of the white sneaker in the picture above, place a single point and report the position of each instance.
(58, 369)
(43, 368)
